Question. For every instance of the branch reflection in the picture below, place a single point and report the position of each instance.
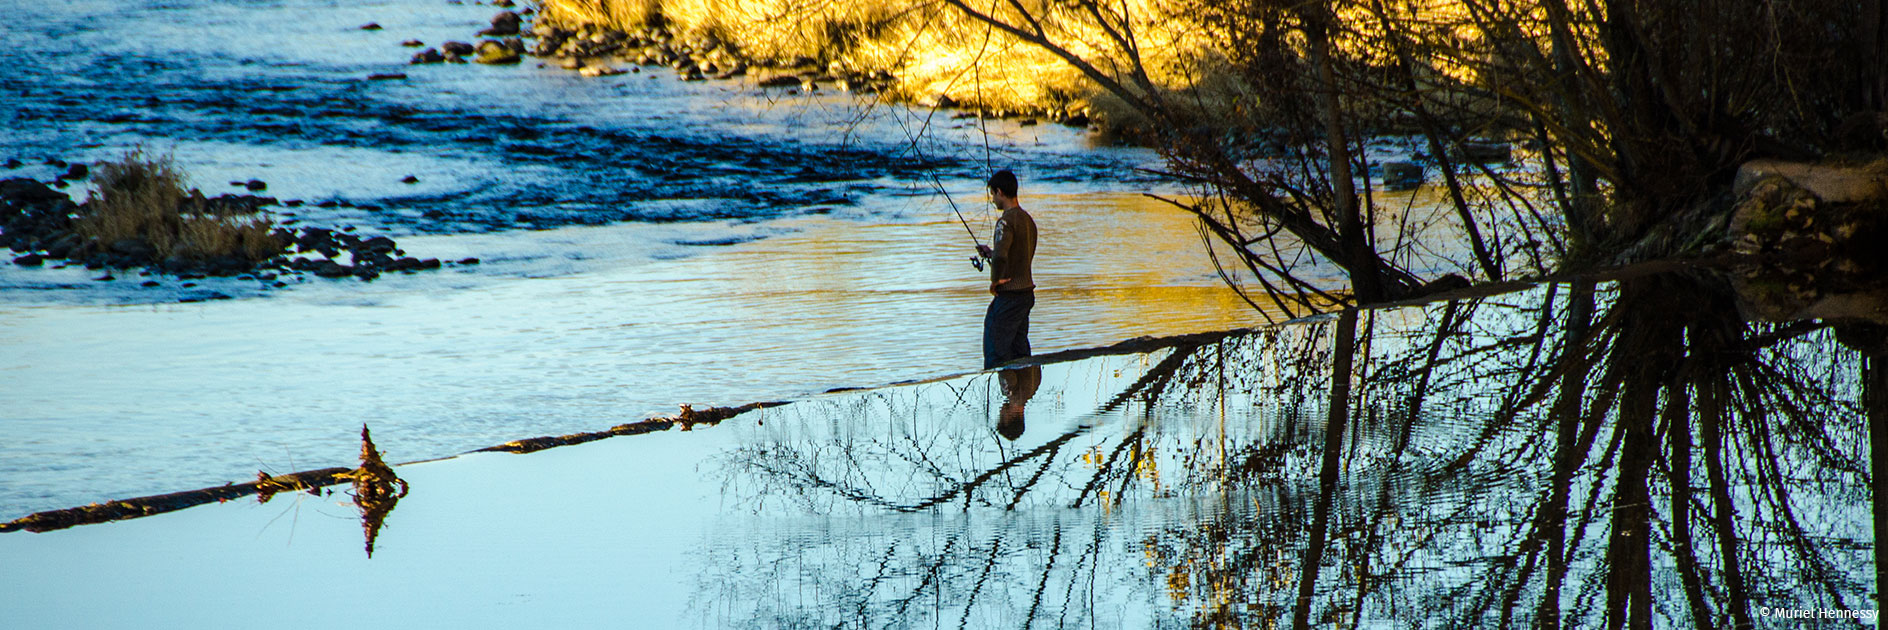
(1617, 455)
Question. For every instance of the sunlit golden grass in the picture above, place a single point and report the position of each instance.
(141, 197)
(932, 48)
(936, 50)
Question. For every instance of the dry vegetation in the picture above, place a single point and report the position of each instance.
(933, 49)
(1631, 119)
(143, 199)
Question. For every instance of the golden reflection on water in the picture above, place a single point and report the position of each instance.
(1109, 266)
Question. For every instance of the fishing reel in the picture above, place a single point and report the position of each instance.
(977, 261)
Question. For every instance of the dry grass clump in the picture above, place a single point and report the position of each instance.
(143, 198)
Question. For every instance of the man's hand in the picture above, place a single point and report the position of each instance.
(984, 251)
(996, 284)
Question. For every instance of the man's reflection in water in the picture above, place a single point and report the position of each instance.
(1019, 384)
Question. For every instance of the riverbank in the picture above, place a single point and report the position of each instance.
(926, 54)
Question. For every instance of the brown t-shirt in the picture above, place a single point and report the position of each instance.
(1014, 250)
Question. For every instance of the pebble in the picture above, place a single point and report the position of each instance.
(370, 26)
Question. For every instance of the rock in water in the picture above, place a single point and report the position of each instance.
(370, 26)
(505, 23)
(780, 80)
(456, 48)
(496, 53)
(1401, 176)
(429, 55)
(412, 43)
(255, 184)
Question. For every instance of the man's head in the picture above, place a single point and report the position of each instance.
(1003, 189)
(1010, 421)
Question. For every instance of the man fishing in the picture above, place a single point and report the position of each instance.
(1006, 323)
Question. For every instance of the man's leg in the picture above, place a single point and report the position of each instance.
(1019, 344)
(1000, 329)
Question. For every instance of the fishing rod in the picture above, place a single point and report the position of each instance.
(975, 261)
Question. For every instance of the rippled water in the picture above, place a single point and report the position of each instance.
(645, 243)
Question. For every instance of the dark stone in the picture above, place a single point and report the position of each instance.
(429, 55)
(1401, 176)
(188, 285)
(105, 278)
(293, 203)
(255, 184)
(327, 204)
(76, 171)
(469, 261)
(412, 43)
(370, 26)
(30, 260)
(151, 283)
(377, 245)
(505, 23)
(331, 269)
(456, 48)
(409, 180)
(28, 191)
(134, 247)
(493, 52)
(386, 76)
(13, 163)
(1484, 152)
(780, 80)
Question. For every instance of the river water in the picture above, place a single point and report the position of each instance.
(1633, 452)
(646, 242)
(1203, 485)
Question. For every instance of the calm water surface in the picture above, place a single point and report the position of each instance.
(1182, 488)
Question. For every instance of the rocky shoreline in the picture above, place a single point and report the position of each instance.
(40, 225)
(600, 51)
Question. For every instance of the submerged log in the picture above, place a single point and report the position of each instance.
(686, 420)
(52, 520)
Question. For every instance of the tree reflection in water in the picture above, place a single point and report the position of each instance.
(1575, 455)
